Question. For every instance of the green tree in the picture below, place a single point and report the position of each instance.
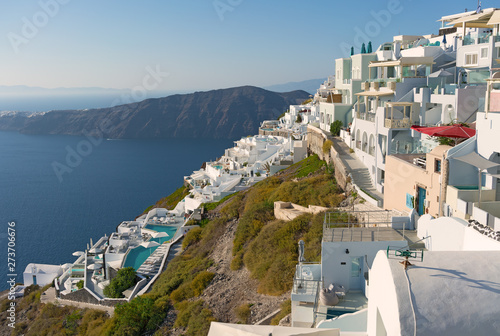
(125, 278)
(139, 315)
(335, 127)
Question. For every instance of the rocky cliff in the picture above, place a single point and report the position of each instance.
(225, 113)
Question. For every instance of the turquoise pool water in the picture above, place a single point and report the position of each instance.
(137, 256)
(170, 230)
(466, 187)
(331, 313)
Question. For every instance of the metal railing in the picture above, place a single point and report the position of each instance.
(353, 222)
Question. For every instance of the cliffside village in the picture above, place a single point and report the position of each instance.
(411, 127)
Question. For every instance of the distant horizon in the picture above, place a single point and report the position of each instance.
(22, 98)
(125, 89)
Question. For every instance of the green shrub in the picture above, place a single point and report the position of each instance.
(183, 292)
(272, 256)
(335, 127)
(237, 261)
(194, 316)
(181, 269)
(318, 190)
(80, 284)
(71, 322)
(125, 278)
(20, 329)
(299, 119)
(213, 205)
(201, 281)
(92, 321)
(243, 313)
(138, 316)
(31, 288)
(286, 308)
(327, 145)
(309, 165)
(250, 224)
(192, 237)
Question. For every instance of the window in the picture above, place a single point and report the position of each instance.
(470, 59)
(437, 166)
(484, 52)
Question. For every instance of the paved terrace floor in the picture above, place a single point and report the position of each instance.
(359, 234)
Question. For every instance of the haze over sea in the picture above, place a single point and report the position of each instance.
(115, 182)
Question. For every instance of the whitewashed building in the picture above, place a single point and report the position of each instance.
(41, 274)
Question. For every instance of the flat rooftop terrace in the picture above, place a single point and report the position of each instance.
(361, 234)
(359, 226)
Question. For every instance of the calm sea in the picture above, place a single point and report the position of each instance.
(114, 181)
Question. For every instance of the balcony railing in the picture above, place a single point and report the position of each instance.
(398, 123)
(469, 40)
(483, 38)
(366, 116)
(478, 39)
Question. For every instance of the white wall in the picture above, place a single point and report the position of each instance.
(383, 299)
(45, 274)
(475, 241)
(446, 233)
(462, 173)
(333, 254)
(299, 150)
(453, 234)
(487, 131)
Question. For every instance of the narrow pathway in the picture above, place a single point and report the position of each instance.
(175, 250)
(360, 174)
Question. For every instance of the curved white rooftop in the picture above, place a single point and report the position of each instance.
(453, 293)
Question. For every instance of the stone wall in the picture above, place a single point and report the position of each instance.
(287, 211)
(276, 132)
(81, 295)
(315, 141)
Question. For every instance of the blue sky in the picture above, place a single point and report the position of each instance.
(110, 43)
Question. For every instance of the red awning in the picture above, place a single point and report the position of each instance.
(451, 131)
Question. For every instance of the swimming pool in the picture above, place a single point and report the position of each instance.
(137, 256)
(466, 187)
(170, 230)
(331, 313)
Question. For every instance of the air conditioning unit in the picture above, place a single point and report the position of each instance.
(427, 203)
